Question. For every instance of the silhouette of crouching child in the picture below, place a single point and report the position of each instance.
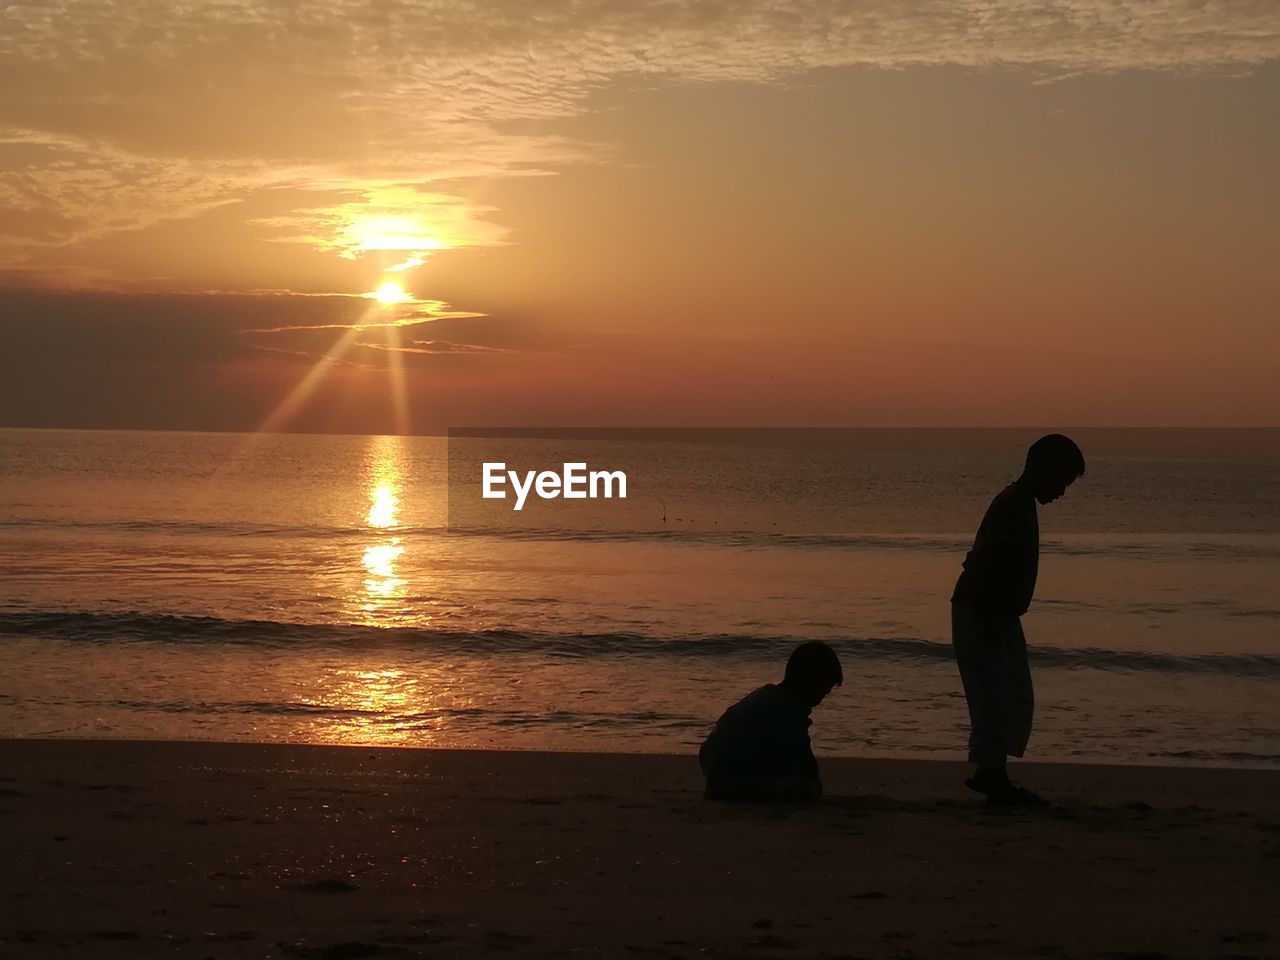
(759, 748)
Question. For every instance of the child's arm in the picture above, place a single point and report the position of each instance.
(793, 772)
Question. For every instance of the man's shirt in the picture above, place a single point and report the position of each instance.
(999, 574)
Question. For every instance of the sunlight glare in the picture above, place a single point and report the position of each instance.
(385, 506)
(379, 600)
(406, 232)
(380, 561)
(390, 293)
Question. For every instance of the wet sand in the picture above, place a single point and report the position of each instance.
(138, 849)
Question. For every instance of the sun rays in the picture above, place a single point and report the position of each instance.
(386, 297)
(402, 228)
(395, 372)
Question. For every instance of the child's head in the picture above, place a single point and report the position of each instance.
(812, 670)
(1054, 462)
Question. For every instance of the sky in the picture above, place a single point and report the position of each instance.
(593, 212)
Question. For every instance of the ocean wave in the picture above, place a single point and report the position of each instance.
(480, 717)
(727, 537)
(102, 627)
(205, 528)
(1161, 548)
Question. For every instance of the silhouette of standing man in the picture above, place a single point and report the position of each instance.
(993, 592)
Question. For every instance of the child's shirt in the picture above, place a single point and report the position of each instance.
(999, 574)
(762, 737)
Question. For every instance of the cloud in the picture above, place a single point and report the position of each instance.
(61, 189)
(421, 311)
(435, 347)
(119, 114)
(390, 217)
(87, 358)
(475, 336)
(306, 355)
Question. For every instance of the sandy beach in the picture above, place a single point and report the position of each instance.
(141, 849)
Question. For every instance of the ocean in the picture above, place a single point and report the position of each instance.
(333, 589)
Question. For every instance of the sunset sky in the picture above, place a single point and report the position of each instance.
(985, 212)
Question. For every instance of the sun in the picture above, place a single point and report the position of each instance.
(390, 293)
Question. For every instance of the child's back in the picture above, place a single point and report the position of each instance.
(762, 738)
(759, 748)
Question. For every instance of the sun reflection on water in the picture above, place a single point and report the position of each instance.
(381, 601)
(385, 507)
(368, 706)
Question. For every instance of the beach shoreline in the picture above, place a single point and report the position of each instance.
(832, 754)
(196, 849)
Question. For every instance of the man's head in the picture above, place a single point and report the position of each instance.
(1054, 462)
(812, 670)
